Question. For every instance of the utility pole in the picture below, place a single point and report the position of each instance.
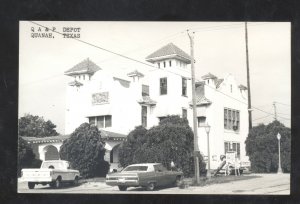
(275, 112)
(248, 79)
(196, 149)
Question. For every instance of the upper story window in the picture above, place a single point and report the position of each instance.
(201, 121)
(101, 121)
(184, 87)
(158, 65)
(83, 77)
(184, 113)
(144, 116)
(170, 63)
(231, 119)
(163, 86)
(164, 64)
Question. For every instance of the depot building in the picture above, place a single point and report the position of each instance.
(118, 102)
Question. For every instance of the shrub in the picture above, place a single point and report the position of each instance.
(85, 150)
(171, 140)
(26, 157)
(262, 147)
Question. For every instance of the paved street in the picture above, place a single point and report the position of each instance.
(263, 184)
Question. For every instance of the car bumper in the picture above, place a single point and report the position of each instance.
(122, 183)
(40, 180)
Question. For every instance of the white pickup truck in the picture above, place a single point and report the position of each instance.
(52, 172)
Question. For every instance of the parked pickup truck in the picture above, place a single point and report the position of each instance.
(149, 175)
(52, 172)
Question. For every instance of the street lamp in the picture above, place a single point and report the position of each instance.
(279, 163)
(207, 130)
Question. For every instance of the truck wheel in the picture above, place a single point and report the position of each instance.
(177, 181)
(31, 185)
(52, 184)
(122, 188)
(58, 183)
(75, 182)
(150, 186)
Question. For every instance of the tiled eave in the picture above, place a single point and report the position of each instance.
(53, 139)
(146, 100)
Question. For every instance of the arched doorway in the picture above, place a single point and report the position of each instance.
(51, 153)
(114, 154)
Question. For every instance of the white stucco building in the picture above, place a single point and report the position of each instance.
(117, 102)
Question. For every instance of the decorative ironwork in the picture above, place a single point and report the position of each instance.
(100, 98)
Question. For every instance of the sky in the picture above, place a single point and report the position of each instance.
(219, 49)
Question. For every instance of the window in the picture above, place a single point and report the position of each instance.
(184, 113)
(144, 116)
(158, 65)
(89, 77)
(231, 119)
(201, 121)
(101, 121)
(170, 63)
(184, 86)
(83, 77)
(163, 86)
(79, 77)
(164, 64)
(231, 88)
(232, 146)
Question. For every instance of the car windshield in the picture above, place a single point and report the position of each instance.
(136, 168)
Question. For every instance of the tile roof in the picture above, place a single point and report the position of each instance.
(242, 87)
(86, 66)
(108, 135)
(50, 139)
(135, 73)
(167, 50)
(75, 83)
(147, 101)
(209, 76)
(219, 82)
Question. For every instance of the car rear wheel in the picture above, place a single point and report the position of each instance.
(76, 180)
(122, 188)
(58, 183)
(151, 186)
(31, 185)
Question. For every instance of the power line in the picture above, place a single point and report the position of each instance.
(261, 117)
(96, 46)
(129, 58)
(283, 104)
(245, 103)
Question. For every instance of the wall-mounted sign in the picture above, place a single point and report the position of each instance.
(100, 98)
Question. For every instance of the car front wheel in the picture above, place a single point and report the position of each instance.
(150, 186)
(31, 185)
(122, 188)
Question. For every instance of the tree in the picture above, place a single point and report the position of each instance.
(262, 147)
(26, 157)
(85, 150)
(36, 126)
(171, 140)
(135, 140)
